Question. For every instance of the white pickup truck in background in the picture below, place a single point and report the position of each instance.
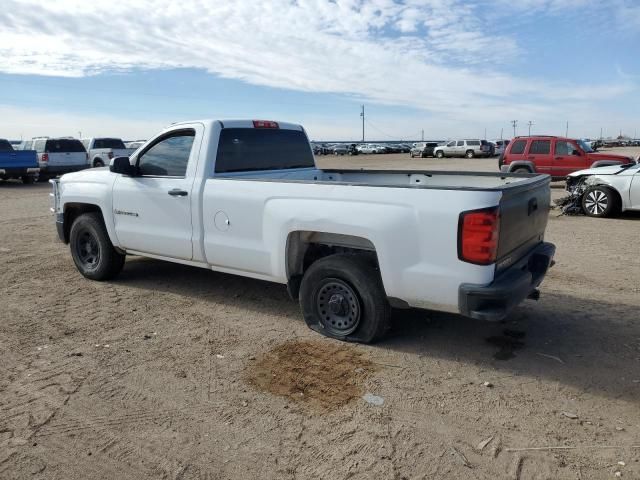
(245, 197)
(102, 150)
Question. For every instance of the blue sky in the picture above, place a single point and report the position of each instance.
(450, 67)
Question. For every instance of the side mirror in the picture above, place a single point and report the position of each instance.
(122, 166)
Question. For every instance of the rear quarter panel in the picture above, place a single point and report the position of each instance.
(414, 231)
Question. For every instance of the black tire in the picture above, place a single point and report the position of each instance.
(91, 249)
(439, 154)
(470, 154)
(600, 201)
(43, 177)
(342, 297)
(28, 179)
(521, 170)
(97, 163)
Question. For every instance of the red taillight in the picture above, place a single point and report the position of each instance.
(110, 155)
(45, 157)
(265, 124)
(478, 233)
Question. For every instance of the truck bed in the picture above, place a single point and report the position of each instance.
(397, 178)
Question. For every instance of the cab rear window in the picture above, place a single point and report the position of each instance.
(114, 143)
(5, 146)
(64, 145)
(248, 149)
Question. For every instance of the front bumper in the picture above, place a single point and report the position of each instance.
(60, 227)
(512, 286)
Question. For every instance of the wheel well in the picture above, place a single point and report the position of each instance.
(73, 211)
(306, 247)
(615, 192)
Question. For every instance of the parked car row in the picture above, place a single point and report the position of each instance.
(355, 148)
(50, 157)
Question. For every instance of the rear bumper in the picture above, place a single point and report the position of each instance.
(17, 172)
(509, 289)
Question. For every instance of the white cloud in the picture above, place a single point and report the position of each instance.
(434, 55)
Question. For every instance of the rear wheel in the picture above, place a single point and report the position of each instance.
(599, 201)
(28, 179)
(98, 163)
(470, 154)
(521, 170)
(342, 297)
(92, 250)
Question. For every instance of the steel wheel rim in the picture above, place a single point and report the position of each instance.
(596, 202)
(88, 250)
(338, 307)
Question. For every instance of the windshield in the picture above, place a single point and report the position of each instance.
(585, 146)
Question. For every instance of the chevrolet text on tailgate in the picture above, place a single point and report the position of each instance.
(245, 197)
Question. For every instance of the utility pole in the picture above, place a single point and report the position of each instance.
(362, 115)
(566, 132)
(600, 133)
(514, 124)
(485, 133)
(530, 125)
(501, 132)
(423, 134)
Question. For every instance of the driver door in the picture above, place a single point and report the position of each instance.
(567, 158)
(152, 210)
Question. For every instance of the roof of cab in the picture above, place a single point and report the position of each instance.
(231, 123)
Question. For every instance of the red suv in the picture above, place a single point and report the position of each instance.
(556, 156)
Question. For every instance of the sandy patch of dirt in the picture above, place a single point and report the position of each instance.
(321, 375)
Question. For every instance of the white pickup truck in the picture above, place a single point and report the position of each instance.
(101, 151)
(245, 197)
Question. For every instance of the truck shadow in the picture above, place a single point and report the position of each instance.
(588, 344)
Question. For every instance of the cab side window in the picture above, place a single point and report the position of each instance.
(518, 147)
(565, 148)
(169, 156)
(540, 147)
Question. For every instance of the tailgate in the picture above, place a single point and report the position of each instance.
(64, 159)
(524, 211)
(19, 159)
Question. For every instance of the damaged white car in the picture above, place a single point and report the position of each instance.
(603, 191)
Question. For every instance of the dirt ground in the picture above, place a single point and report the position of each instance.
(175, 372)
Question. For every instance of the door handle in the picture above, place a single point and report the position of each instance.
(176, 192)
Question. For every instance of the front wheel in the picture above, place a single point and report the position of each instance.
(599, 201)
(92, 250)
(28, 179)
(439, 154)
(342, 297)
